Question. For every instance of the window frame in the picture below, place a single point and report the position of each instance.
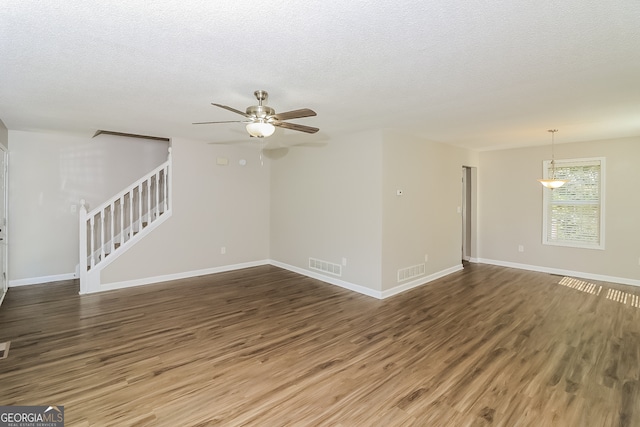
(546, 202)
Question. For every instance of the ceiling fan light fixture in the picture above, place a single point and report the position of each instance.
(260, 129)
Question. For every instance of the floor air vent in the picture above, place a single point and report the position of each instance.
(325, 266)
(4, 349)
(411, 272)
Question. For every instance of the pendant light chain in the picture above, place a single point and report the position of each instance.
(552, 182)
(553, 158)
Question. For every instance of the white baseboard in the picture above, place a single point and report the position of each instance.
(368, 291)
(203, 272)
(334, 281)
(420, 281)
(331, 280)
(176, 276)
(562, 272)
(42, 279)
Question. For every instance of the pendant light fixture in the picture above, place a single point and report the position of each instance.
(553, 182)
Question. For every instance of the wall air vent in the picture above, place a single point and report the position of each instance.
(325, 266)
(411, 272)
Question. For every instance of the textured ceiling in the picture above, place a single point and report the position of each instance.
(478, 74)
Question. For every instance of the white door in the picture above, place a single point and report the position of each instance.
(3, 223)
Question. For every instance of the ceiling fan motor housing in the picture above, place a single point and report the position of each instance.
(260, 111)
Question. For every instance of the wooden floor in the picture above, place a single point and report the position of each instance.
(487, 346)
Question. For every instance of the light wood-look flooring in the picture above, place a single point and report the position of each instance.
(487, 346)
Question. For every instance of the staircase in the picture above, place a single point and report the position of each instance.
(110, 229)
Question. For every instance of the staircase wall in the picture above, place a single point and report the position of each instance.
(49, 174)
(214, 206)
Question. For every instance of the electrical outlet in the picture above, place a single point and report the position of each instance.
(520, 248)
(426, 257)
(223, 250)
(344, 262)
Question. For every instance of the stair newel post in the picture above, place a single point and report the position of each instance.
(83, 246)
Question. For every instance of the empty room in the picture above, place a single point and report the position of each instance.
(320, 213)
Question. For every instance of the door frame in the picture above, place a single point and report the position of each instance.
(469, 219)
(4, 194)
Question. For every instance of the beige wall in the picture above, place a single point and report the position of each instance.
(511, 209)
(213, 206)
(425, 219)
(339, 201)
(49, 173)
(332, 201)
(326, 204)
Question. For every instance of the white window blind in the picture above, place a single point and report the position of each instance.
(574, 213)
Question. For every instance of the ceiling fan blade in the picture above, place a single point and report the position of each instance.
(295, 126)
(295, 114)
(233, 110)
(227, 121)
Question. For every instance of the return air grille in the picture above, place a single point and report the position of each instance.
(411, 272)
(4, 349)
(325, 266)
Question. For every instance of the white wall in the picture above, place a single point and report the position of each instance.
(213, 206)
(425, 219)
(326, 204)
(50, 173)
(511, 209)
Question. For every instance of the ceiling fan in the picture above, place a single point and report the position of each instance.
(261, 119)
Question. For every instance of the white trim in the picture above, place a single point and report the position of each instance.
(421, 281)
(571, 273)
(42, 279)
(368, 291)
(176, 276)
(343, 284)
(203, 272)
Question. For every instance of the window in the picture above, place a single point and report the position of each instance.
(574, 213)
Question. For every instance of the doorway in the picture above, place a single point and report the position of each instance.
(468, 213)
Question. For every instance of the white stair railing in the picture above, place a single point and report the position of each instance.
(117, 223)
